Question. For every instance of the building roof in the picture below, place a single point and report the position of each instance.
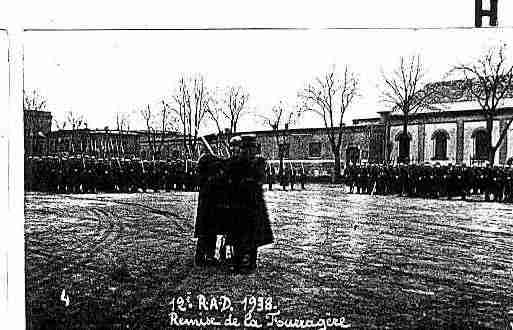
(38, 113)
(93, 131)
(296, 131)
(454, 112)
(451, 91)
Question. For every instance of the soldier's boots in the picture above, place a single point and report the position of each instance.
(247, 262)
(205, 251)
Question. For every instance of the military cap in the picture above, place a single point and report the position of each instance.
(235, 141)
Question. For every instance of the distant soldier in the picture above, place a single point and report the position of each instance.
(269, 176)
(284, 178)
(180, 175)
(51, 176)
(350, 178)
(302, 179)
(167, 176)
(496, 188)
(292, 175)
(508, 185)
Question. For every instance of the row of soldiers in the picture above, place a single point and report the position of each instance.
(432, 181)
(289, 176)
(84, 174)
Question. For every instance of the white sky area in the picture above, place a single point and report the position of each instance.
(100, 73)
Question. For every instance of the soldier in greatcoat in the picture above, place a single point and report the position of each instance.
(212, 216)
(251, 226)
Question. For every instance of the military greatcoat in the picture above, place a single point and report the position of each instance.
(250, 225)
(212, 216)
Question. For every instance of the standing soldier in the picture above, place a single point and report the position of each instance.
(180, 175)
(210, 215)
(508, 185)
(167, 176)
(252, 227)
(302, 178)
(292, 175)
(269, 177)
(51, 175)
(284, 179)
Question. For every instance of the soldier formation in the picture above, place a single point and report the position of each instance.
(432, 181)
(85, 174)
(288, 177)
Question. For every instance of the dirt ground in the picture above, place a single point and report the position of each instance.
(370, 262)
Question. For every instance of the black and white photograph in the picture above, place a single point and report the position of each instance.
(293, 175)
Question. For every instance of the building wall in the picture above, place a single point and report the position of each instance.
(422, 148)
(368, 141)
(37, 124)
(413, 131)
(429, 144)
(171, 148)
(509, 138)
(299, 145)
(469, 144)
(37, 121)
(94, 143)
(367, 136)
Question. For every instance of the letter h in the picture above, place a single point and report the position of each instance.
(480, 13)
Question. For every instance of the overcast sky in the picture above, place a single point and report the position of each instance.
(101, 73)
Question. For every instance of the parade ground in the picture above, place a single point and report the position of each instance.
(125, 261)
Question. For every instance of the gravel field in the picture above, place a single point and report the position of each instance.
(124, 261)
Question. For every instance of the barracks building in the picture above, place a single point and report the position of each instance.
(453, 133)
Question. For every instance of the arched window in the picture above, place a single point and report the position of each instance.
(404, 146)
(480, 136)
(352, 155)
(439, 139)
(284, 148)
(314, 149)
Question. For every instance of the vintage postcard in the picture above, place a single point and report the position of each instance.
(293, 176)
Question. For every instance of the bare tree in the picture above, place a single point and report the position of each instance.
(226, 111)
(191, 102)
(34, 101)
(329, 97)
(280, 120)
(167, 124)
(236, 105)
(490, 81)
(122, 126)
(74, 121)
(403, 90)
(149, 118)
(122, 121)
